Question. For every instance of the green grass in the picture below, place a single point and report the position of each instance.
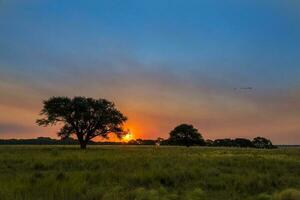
(141, 173)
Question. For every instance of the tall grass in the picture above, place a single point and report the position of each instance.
(141, 173)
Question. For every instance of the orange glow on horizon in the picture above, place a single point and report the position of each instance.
(133, 129)
(129, 136)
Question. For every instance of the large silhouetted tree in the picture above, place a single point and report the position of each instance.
(84, 117)
(187, 135)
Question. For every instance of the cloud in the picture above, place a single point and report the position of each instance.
(155, 98)
(6, 128)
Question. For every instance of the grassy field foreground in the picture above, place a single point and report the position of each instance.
(141, 173)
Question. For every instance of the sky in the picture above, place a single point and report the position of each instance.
(162, 62)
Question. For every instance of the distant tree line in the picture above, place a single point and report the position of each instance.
(258, 142)
(39, 141)
(187, 135)
(238, 142)
(50, 141)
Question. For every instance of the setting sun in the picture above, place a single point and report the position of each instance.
(128, 136)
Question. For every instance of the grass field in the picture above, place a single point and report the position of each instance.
(141, 173)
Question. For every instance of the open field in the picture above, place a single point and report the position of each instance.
(141, 173)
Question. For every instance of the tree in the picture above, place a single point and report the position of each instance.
(242, 142)
(227, 142)
(187, 135)
(84, 117)
(260, 142)
(209, 142)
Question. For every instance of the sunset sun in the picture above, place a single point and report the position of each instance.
(128, 136)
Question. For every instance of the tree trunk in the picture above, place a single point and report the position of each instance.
(81, 141)
(82, 145)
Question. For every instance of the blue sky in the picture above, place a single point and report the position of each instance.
(147, 55)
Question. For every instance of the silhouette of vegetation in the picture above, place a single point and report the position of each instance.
(50, 141)
(182, 135)
(260, 142)
(223, 143)
(186, 135)
(41, 141)
(209, 142)
(141, 142)
(86, 118)
(242, 142)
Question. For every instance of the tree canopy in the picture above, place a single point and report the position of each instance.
(187, 135)
(260, 142)
(86, 118)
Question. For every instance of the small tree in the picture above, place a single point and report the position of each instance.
(84, 117)
(260, 142)
(187, 135)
